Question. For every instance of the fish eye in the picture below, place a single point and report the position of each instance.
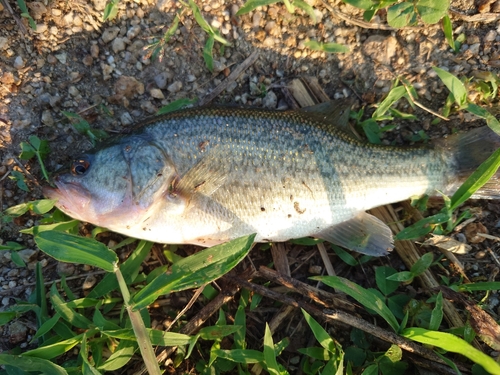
(80, 167)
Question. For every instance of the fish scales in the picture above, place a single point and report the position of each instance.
(205, 176)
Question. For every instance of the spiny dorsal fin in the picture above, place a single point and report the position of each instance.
(334, 112)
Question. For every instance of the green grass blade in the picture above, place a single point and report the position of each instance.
(367, 298)
(306, 8)
(422, 227)
(130, 269)
(437, 313)
(394, 95)
(58, 348)
(481, 286)
(448, 33)
(422, 264)
(453, 84)
(208, 53)
(67, 313)
(454, 344)
(319, 332)
(244, 356)
(196, 270)
(32, 364)
(476, 180)
(269, 353)
(175, 105)
(326, 47)
(491, 120)
(75, 249)
(251, 5)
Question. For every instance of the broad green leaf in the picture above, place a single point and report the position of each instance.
(361, 4)
(326, 47)
(110, 11)
(403, 277)
(394, 95)
(75, 249)
(431, 11)
(251, 5)
(41, 206)
(63, 226)
(120, 357)
(269, 353)
(11, 245)
(381, 275)
(422, 264)
(32, 364)
(476, 180)
(400, 15)
(453, 84)
(452, 344)
(367, 298)
(321, 335)
(56, 349)
(175, 105)
(196, 270)
(6, 316)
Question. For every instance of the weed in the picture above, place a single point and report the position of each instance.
(25, 13)
(83, 127)
(405, 13)
(37, 147)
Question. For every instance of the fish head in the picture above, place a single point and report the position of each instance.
(115, 186)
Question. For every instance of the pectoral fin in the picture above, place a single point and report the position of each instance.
(205, 177)
(365, 234)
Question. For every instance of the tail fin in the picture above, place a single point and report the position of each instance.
(469, 150)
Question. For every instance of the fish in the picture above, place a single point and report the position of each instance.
(207, 175)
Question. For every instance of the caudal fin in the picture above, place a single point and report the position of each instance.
(469, 150)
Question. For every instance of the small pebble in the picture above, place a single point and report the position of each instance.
(118, 45)
(175, 87)
(110, 34)
(18, 62)
(315, 270)
(156, 93)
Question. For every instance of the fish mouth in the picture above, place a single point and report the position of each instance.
(71, 198)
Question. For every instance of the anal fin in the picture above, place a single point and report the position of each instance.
(364, 234)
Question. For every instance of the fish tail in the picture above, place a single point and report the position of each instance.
(468, 151)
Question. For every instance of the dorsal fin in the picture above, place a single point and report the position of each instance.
(334, 112)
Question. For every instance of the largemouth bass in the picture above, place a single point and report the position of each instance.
(208, 175)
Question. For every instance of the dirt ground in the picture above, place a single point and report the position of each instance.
(74, 62)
